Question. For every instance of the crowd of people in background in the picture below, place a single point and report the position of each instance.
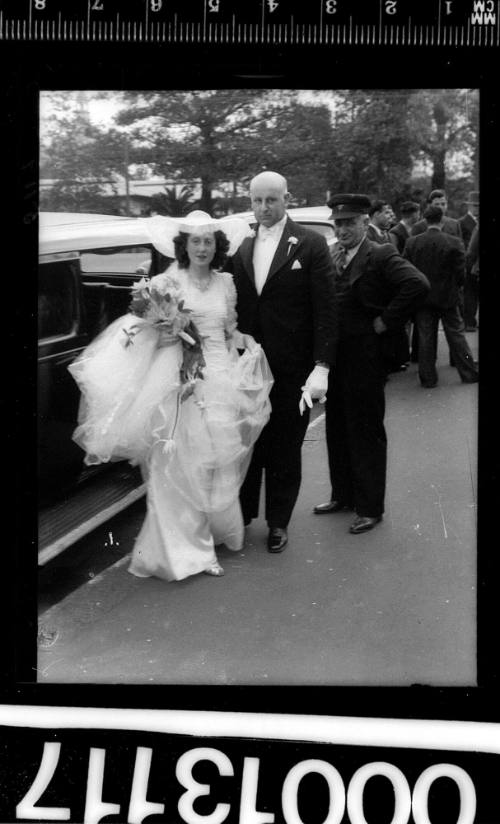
(280, 322)
(448, 254)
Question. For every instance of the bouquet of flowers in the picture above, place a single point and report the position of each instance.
(164, 310)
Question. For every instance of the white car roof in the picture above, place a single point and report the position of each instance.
(305, 214)
(61, 232)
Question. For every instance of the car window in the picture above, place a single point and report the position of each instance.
(117, 260)
(57, 306)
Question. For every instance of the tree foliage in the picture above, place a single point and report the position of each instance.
(445, 122)
(228, 135)
(77, 156)
(371, 147)
(371, 141)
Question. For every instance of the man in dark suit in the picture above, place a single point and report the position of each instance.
(376, 290)
(448, 224)
(442, 258)
(400, 233)
(451, 227)
(471, 288)
(286, 300)
(380, 221)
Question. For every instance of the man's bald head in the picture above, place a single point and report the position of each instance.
(269, 196)
(269, 179)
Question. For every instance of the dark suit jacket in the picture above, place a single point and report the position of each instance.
(373, 235)
(398, 235)
(472, 254)
(450, 227)
(382, 283)
(294, 317)
(442, 258)
(467, 226)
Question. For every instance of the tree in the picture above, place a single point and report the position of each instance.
(226, 135)
(171, 203)
(371, 147)
(445, 128)
(79, 158)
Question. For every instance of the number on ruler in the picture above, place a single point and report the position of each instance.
(40, 5)
(213, 5)
(272, 4)
(331, 6)
(390, 7)
(156, 5)
(97, 5)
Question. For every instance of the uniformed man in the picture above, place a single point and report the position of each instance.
(377, 290)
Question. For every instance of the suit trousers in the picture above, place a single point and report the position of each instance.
(471, 300)
(277, 454)
(355, 432)
(428, 321)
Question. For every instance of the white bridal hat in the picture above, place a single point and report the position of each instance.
(162, 230)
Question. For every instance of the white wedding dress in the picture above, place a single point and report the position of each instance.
(193, 454)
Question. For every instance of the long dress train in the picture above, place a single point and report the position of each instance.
(193, 454)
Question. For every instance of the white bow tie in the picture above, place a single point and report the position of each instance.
(265, 233)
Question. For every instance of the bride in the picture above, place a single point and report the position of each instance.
(192, 436)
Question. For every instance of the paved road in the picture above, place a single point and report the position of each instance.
(395, 606)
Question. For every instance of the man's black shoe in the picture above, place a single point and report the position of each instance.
(331, 506)
(277, 539)
(363, 523)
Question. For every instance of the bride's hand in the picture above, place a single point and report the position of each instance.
(165, 338)
(250, 343)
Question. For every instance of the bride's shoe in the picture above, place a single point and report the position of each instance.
(214, 569)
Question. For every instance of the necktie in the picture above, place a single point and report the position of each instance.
(339, 259)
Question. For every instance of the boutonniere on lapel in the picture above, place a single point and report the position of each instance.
(252, 233)
(292, 241)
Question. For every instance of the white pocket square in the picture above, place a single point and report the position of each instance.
(296, 264)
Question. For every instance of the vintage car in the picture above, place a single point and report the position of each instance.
(87, 265)
(314, 217)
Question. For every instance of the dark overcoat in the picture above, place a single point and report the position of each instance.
(441, 257)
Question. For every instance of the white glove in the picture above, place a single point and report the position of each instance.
(315, 387)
